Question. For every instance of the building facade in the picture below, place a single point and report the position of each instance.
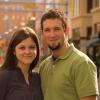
(84, 17)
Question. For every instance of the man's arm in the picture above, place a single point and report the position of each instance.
(89, 98)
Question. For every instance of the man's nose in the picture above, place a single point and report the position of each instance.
(52, 33)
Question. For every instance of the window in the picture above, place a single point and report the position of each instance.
(97, 3)
(96, 29)
(76, 8)
(76, 37)
(89, 32)
(89, 5)
(66, 7)
(76, 32)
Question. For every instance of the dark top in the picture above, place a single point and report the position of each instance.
(14, 87)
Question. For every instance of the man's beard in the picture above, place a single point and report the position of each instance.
(54, 47)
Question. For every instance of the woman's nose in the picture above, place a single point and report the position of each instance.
(27, 50)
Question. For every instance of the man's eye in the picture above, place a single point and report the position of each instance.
(57, 29)
(46, 30)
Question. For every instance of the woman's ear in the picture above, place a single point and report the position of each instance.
(14, 53)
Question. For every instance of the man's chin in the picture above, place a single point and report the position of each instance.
(54, 47)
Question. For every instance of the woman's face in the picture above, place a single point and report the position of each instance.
(25, 52)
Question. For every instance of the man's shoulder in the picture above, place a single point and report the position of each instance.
(80, 57)
(45, 60)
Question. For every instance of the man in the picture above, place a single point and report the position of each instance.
(67, 74)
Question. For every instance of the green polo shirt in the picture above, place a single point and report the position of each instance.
(70, 77)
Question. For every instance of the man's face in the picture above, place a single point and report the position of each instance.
(53, 33)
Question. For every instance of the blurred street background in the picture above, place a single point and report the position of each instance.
(82, 16)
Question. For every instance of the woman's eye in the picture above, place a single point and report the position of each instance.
(32, 47)
(29, 47)
(22, 48)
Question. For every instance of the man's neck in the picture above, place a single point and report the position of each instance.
(60, 51)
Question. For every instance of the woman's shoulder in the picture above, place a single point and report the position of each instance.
(35, 71)
(5, 78)
(35, 75)
(5, 73)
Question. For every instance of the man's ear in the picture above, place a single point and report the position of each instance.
(66, 31)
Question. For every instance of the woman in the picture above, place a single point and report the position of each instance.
(17, 81)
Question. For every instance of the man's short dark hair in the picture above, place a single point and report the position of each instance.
(54, 14)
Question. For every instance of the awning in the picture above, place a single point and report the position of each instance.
(91, 43)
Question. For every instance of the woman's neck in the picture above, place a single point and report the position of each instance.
(25, 69)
